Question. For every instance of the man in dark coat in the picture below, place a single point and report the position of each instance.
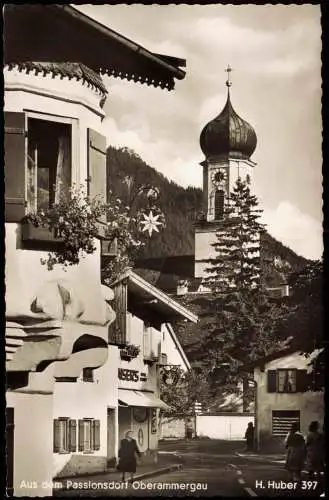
(127, 456)
(249, 436)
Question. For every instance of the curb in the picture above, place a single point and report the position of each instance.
(155, 472)
(261, 458)
(159, 472)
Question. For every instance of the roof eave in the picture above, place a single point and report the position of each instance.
(177, 309)
(166, 62)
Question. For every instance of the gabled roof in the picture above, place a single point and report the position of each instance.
(61, 33)
(157, 300)
(178, 346)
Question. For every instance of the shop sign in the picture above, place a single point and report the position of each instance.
(154, 421)
(131, 375)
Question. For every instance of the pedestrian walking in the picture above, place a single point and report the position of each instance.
(249, 436)
(314, 450)
(189, 430)
(296, 452)
(127, 456)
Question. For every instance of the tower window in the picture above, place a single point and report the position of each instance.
(219, 204)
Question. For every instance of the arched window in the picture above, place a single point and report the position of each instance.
(219, 204)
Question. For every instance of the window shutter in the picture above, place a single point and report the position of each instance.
(303, 380)
(72, 435)
(97, 182)
(81, 436)
(97, 441)
(14, 144)
(271, 381)
(118, 329)
(57, 444)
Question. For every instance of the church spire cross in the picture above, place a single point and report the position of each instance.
(228, 81)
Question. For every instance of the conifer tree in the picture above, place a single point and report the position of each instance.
(241, 324)
(237, 262)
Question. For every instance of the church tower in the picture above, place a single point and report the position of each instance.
(227, 143)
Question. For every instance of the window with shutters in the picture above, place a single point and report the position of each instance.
(89, 435)
(49, 164)
(64, 435)
(288, 380)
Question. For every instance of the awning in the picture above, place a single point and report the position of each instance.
(139, 398)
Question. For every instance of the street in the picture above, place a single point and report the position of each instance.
(210, 468)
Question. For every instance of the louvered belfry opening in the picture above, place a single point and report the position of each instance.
(219, 204)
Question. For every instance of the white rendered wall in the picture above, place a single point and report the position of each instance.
(78, 400)
(33, 443)
(310, 404)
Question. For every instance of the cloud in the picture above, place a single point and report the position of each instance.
(275, 52)
(297, 230)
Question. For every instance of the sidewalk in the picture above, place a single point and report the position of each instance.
(167, 462)
(278, 458)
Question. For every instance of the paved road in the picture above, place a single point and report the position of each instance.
(210, 469)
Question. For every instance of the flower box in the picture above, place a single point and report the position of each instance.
(32, 235)
(129, 352)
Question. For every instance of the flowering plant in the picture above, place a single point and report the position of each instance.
(130, 351)
(75, 221)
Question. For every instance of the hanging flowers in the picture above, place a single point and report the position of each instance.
(77, 220)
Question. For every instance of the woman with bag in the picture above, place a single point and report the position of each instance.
(127, 456)
(315, 450)
(296, 452)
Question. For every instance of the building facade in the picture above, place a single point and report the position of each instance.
(57, 322)
(283, 383)
(143, 328)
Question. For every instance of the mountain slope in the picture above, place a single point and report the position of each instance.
(181, 206)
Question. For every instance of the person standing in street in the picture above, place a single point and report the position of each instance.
(296, 452)
(189, 430)
(314, 450)
(249, 436)
(127, 456)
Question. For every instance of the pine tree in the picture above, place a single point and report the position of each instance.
(237, 262)
(241, 324)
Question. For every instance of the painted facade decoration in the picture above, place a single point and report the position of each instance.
(57, 322)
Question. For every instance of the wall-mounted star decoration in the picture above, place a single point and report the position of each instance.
(151, 223)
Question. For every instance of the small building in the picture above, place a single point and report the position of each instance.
(286, 392)
(56, 321)
(143, 328)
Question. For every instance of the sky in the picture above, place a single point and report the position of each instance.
(275, 54)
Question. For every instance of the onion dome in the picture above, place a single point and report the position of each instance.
(228, 135)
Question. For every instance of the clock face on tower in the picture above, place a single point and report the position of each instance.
(218, 176)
